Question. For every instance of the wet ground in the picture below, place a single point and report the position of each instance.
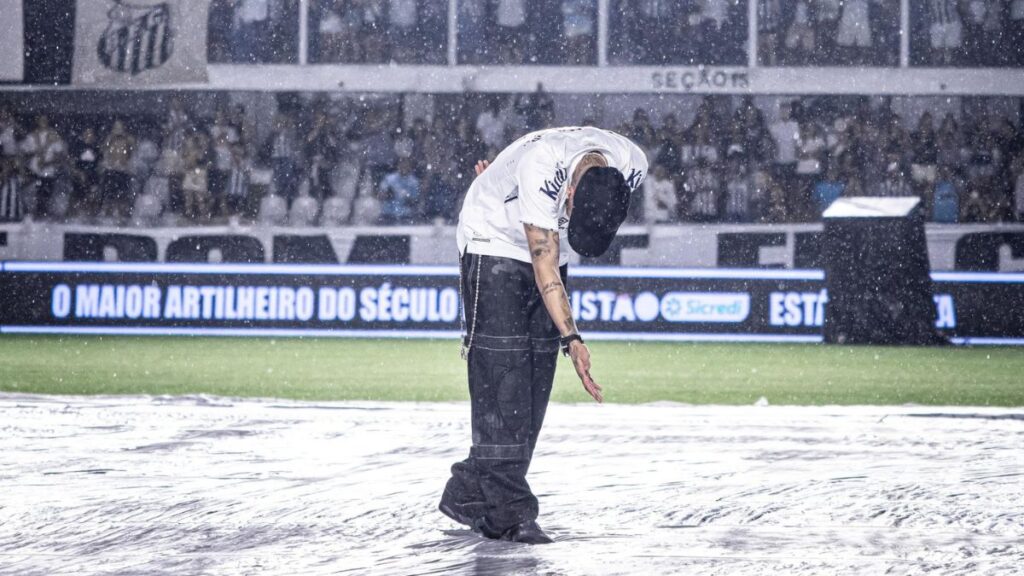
(140, 485)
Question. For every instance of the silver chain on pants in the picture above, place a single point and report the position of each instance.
(466, 345)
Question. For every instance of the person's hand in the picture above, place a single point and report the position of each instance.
(481, 165)
(580, 355)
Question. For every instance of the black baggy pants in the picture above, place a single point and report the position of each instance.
(512, 360)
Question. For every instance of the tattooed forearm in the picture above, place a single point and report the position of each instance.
(568, 325)
(551, 287)
(544, 250)
(542, 242)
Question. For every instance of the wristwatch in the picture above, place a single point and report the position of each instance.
(564, 342)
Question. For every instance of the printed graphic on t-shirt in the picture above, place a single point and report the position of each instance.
(552, 186)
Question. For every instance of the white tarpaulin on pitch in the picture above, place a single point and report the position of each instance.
(227, 486)
(140, 42)
(12, 41)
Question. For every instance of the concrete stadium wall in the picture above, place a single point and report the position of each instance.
(994, 248)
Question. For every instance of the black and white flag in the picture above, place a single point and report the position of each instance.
(140, 42)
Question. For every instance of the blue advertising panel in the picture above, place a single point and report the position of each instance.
(424, 301)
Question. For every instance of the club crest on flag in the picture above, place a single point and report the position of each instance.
(137, 38)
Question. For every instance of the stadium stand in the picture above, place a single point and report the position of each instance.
(968, 168)
(213, 155)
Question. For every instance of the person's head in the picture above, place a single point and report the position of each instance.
(598, 198)
(42, 122)
(737, 132)
(945, 173)
(893, 166)
(405, 166)
(832, 169)
(948, 125)
(117, 128)
(847, 164)
(736, 163)
(701, 132)
(785, 110)
(926, 123)
(88, 135)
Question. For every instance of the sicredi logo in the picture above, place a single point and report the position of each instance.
(725, 307)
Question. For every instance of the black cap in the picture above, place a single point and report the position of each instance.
(599, 208)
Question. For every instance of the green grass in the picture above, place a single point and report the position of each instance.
(423, 370)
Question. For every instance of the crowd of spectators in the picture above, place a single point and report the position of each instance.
(968, 33)
(405, 31)
(527, 32)
(828, 32)
(375, 31)
(736, 166)
(350, 161)
(343, 162)
(253, 31)
(678, 32)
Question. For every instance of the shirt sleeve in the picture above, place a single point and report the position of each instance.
(539, 184)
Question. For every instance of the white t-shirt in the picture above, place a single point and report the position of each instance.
(45, 146)
(403, 13)
(785, 134)
(716, 11)
(250, 11)
(491, 127)
(511, 13)
(8, 143)
(526, 184)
